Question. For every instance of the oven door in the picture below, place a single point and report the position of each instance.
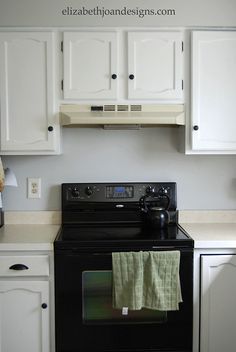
(86, 321)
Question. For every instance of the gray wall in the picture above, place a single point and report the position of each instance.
(204, 182)
(48, 13)
(90, 155)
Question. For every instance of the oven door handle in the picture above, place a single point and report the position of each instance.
(94, 252)
(108, 251)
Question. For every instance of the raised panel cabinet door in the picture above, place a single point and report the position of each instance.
(155, 65)
(24, 323)
(90, 65)
(218, 308)
(27, 92)
(213, 90)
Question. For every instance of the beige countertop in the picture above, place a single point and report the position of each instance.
(28, 237)
(41, 237)
(37, 230)
(212, 235)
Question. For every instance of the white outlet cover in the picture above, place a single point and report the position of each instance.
(34, 187)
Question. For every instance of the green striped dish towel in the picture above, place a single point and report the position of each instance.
(146, 280)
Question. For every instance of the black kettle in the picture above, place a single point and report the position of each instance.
(155, 216)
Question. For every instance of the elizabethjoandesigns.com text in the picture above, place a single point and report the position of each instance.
(124, 11)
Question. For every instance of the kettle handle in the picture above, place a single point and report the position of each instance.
(143, 204)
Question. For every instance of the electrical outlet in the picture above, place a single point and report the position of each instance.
(34, 187)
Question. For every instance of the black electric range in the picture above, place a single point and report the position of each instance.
(97, 220)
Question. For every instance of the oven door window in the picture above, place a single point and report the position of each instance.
(97, 303)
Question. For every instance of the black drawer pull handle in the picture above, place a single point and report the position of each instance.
(131, 76)
(50, 128)
(19, 267)
(114, 76)
(195, 127)
(44, 305)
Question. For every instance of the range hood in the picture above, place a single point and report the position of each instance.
(122, 115)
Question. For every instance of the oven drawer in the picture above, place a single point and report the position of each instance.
(15, 266)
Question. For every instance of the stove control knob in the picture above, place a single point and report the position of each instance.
(75, 192)
(163, 191)
(150, 190)
(88, 191)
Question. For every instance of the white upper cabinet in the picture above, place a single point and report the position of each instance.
(90, 65)
(155, 65)
(29, 124)
(123, 65)
(213, 125)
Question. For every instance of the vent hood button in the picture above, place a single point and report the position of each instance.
(97, 108)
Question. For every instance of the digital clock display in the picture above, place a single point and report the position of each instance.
(119, 191)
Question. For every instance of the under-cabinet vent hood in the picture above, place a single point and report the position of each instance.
(122, 115)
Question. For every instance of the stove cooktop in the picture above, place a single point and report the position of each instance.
(122, 237)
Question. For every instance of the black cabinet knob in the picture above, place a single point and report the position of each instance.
(114, 76)
(195, 128)
(50, 128)
(44, 305)
(131, 76)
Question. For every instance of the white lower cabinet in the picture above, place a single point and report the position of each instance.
(24, 316)
(25, 304)
(217, 302)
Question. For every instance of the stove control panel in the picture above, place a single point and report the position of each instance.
(82, 193)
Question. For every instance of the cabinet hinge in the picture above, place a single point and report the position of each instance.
(62, 84)
(182, 84)
(182, 46)
(62, 47)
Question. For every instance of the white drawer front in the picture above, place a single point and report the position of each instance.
(24, 266)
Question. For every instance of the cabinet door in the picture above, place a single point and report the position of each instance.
(155, 65)
(27, 93)
(24, 324)
(90, 65)
(218, 309)
(213, 90)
